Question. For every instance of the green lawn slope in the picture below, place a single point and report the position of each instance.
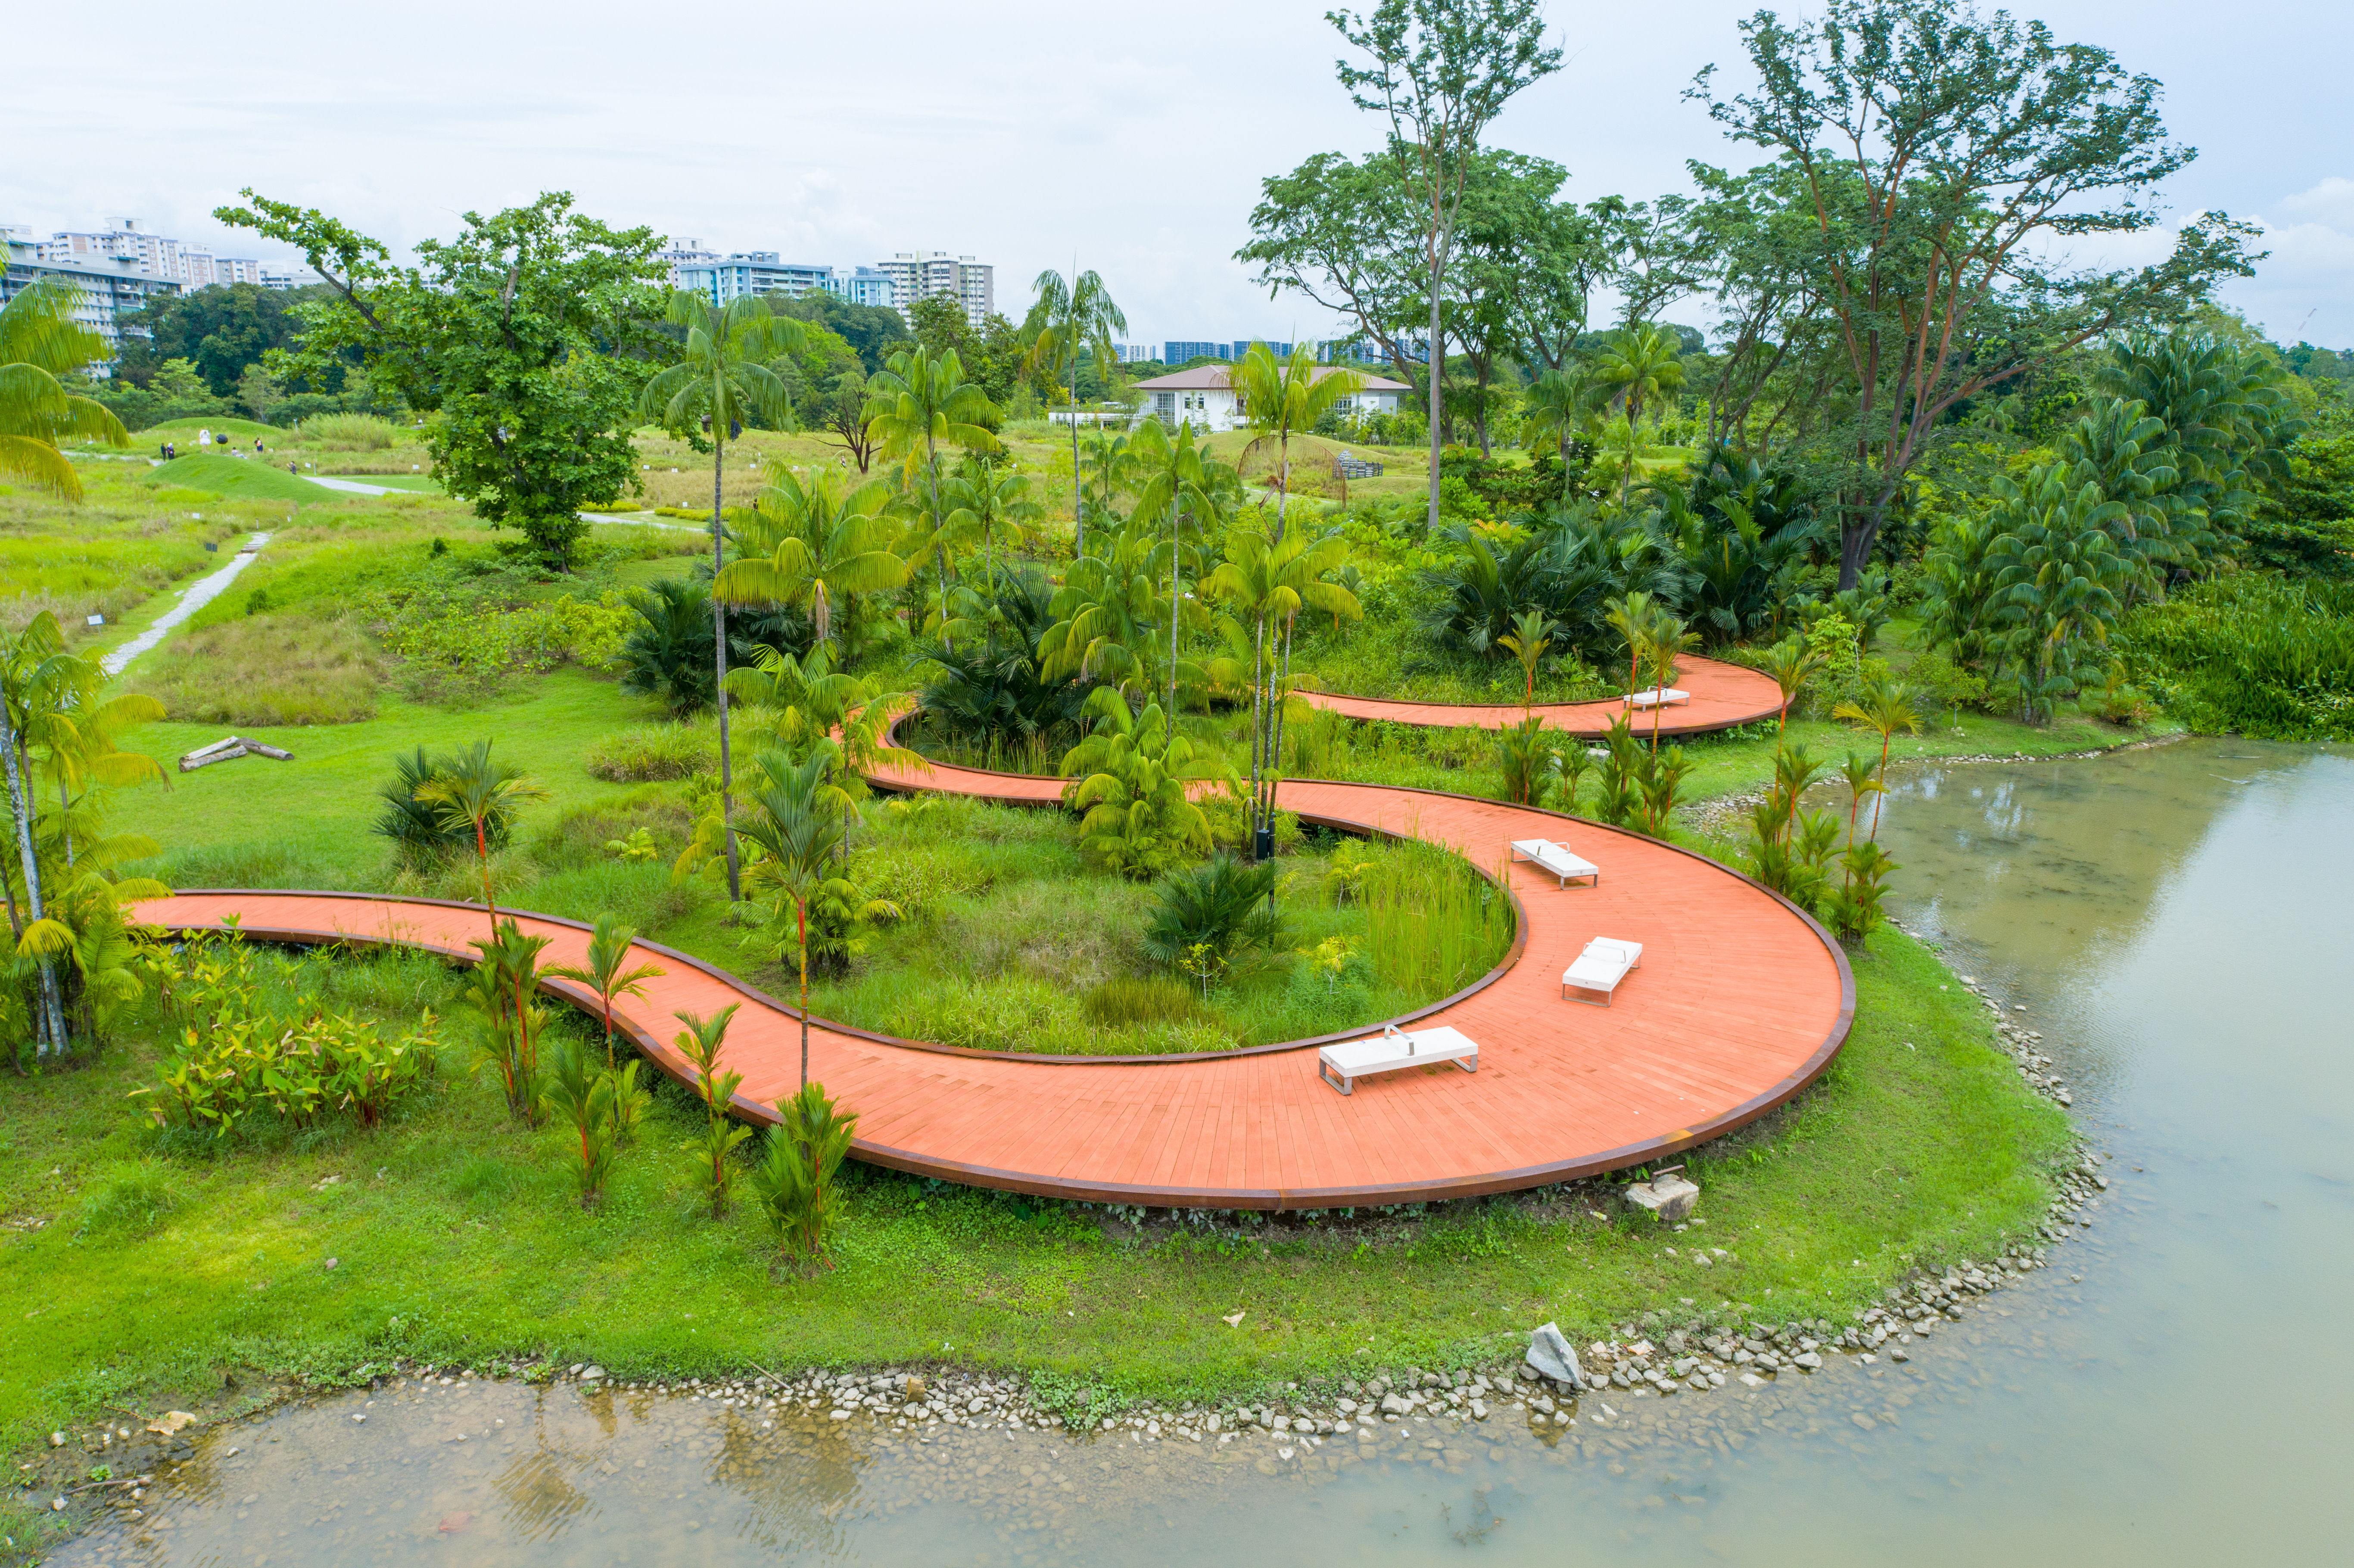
(249, 478)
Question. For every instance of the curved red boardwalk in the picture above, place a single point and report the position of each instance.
(1740, 1001)
(1723, 695)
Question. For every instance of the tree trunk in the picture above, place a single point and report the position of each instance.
(719, 659)
(801, 919)
(1078, 493)
(20, 806)
(1438, 375)
(1258, 662)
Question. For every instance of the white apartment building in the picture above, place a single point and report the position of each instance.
(112, 286)
(685, 253)
(122, 243)
(919, 274)
(1203, 398)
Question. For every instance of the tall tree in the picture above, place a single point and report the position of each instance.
(1188, 488)
(1065, 317)
(1640, 365)
(1936, 150)
(1337, 233)
(722, 383)
(507, 334)
(1442, 70)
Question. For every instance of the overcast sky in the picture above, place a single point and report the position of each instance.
(1134, 136)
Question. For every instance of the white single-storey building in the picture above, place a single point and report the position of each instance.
(1202, 397)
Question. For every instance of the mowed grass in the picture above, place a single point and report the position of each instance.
(165, 1261)
(256, 822)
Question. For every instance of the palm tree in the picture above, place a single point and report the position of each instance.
(1182, 483)
(1106, 612)
(1269, 581)
(991, 504)
(1887, 707)
(915, 402)
(798, 826)
(36, 671)
(1640, 363)
(721, 378)
(1791, 663)
(609, 949)
(470, 792)
(1558, 405)
(1063, 319)
(1527, 641)
(1632, 615)
(1669, 639)
(40, 340)
(1283, 398)
(822, 544)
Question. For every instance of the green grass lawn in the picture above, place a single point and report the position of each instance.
(165, 1261)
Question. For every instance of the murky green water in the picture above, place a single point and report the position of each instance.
(2176, 923)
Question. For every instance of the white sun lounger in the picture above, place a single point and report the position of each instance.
(1341, 1065)
(1555, 859)
(1657, 697)
(1606, 961)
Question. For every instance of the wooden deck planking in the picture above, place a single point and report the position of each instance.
(1739, 999)
(1723, 695)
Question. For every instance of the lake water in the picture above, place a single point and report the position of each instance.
(2175, 921)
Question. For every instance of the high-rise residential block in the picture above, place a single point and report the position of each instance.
(1177, 351)
(917, 275)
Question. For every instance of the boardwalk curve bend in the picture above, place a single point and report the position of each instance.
(1740, 1003)
(1722, 695)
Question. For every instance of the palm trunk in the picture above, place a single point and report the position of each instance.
(800, 917)
(719, 661)
(1078, 500)
(1258, 643)
(53, 1017)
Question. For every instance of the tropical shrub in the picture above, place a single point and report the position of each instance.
(418, 833)
(796, 1180)
(670, 653)
(1131, 778)
(1528, 759)
(1214, 910)
(2254, 654)
(240, 1058)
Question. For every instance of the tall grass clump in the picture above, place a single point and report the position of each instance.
(2255, 654)
(352, 432)
(266, 671)
(1433, 924)
(653, 751)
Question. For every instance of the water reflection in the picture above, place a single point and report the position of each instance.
(2172, 921)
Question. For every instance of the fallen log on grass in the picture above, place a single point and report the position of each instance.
(235, 746)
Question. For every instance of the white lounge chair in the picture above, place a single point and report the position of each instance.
(1657, 697)
(1554, 858)
(1606, 961)
(1341, 1065)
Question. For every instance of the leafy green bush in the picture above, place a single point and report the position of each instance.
(652, 751)
(2254, 654)
(243, 1058)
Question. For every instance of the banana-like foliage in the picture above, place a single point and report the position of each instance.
(1136, 782)
(2057, 575)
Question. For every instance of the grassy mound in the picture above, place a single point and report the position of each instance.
(248, 477)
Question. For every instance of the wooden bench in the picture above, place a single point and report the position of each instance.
(1606, 961)
(1555, 859)
(1341, 1065)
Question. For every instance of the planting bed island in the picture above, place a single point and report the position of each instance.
(1742, 1000)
